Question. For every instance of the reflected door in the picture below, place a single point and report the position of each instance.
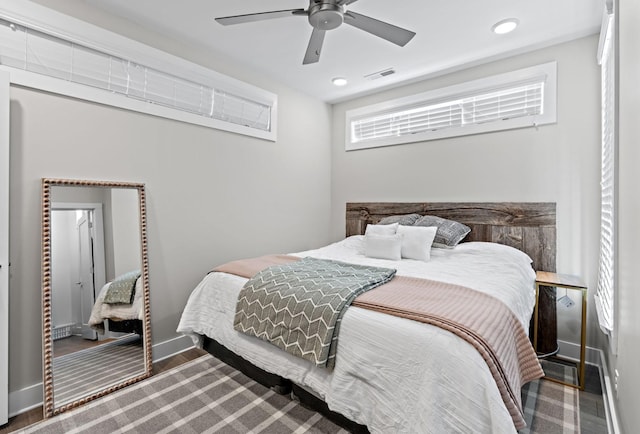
(86, 266)
(76, 267)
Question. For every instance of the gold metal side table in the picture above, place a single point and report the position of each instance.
(545, 278)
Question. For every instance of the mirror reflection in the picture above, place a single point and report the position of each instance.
(95, 326)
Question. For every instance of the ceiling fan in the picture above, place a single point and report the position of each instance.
(326, 15)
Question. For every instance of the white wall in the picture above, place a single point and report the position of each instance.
(212, 196)
(628, 290)
(557, 163)
(125, 216)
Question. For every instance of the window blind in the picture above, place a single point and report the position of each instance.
(604, 297)
(514, 101)
(34, 51)
(505, 104)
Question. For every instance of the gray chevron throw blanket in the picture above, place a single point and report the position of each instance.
(298, 306)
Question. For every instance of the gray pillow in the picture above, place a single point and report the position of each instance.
(449, 233)
(405, 220)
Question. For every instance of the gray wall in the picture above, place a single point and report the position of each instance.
(557, 163)
(628, 292)
(212, 196)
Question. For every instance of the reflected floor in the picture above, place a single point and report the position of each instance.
(72, 344)
(84, 372)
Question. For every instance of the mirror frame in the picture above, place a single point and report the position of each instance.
(49, 408)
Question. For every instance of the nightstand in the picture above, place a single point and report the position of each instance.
(544, 278)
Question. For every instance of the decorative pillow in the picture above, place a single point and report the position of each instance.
(406, 219)
(381, 229)
(416, 241)
(450, 232)
(383, 247)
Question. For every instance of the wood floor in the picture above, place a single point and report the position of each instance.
(35, 415)
(72, 344)
(593, 419)
(592, 415)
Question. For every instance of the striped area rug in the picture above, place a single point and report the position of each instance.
(96, 368)
(551, 407)
(201, 396)
(207, 396)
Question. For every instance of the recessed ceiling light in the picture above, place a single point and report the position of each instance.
(339, 81)
(505, 26)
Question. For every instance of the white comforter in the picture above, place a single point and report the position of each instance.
(391, 374)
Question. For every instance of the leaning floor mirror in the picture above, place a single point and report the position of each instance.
(95, 290)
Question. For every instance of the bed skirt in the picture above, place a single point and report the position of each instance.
(126, 326)
(279, 385)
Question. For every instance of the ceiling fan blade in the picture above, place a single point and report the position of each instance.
(346, 2)
(391, 33)
(315, 47)
(247, 18)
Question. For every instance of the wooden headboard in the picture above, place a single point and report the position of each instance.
(527, 226)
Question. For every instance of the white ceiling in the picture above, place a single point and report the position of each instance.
(450, 34)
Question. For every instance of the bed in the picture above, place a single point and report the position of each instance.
(123, 317)
(394, 374)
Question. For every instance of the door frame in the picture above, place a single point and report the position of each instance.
(87, 219)
(4, 246)
(99, 264)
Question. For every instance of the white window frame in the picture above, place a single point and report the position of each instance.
(605, 297)
(61, 26)
(4, 247)
(545, 72)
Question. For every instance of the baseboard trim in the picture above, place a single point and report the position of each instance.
(171, 347)
(31, 396)
(594, 356)
(608, 393)
(25, 399)
(571, 351)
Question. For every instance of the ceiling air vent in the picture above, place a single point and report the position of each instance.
(380, 74)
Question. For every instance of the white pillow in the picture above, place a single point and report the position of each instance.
(383, 247)
(385, 230)
(417, 241)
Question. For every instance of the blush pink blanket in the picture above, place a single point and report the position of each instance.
(480, 319)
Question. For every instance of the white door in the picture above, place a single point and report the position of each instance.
(81, 261)
(4, 247)
(86, 281)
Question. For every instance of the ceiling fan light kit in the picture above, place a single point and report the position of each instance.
(326, 15)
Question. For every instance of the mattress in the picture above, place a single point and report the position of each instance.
(391, 374)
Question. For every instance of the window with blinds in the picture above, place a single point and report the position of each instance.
(605, 295)
(31, 50)
(513, 100)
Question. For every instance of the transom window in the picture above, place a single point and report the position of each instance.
(104, 67)
(513, 100)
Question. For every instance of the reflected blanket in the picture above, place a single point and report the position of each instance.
(123, 288)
